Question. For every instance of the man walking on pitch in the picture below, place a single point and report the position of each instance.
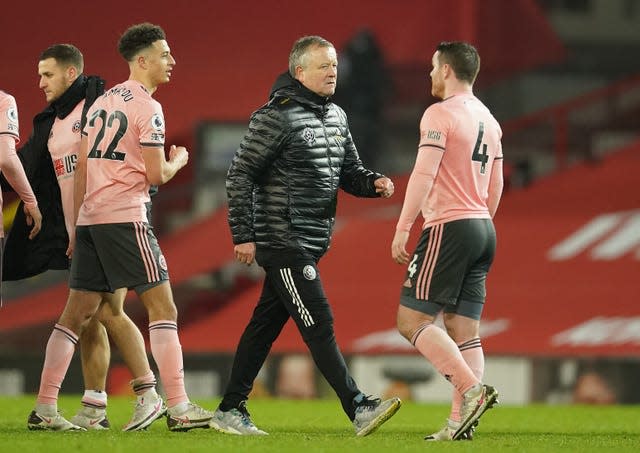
(282, 188)
(456, 183)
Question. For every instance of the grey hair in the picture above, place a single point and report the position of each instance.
(299, 50)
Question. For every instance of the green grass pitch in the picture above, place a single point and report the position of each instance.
(320, 426)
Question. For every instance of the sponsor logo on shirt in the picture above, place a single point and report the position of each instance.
(65, 166)
(433, 135)
(157, 137)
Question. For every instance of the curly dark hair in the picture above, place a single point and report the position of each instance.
(139, 37)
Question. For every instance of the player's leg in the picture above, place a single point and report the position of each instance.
(300, 289)
(464, 329)
(434, 281)
(182, 414)
(81, 306)
(125, 264)
(87, 281)
(95, 354)
(129, 341)
(463, 320)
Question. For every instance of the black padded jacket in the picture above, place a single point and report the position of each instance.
(282, 186)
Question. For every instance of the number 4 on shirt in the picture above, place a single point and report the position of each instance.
(480, 151)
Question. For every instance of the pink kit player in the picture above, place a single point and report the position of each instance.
(456, 184)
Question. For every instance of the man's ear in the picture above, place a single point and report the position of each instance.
(72, 72)
(142, 61)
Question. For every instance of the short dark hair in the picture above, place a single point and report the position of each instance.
(462, 57)
(65, 55)
(139, 37)
(299, 50)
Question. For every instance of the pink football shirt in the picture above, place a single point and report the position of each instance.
(64, 146)
(462, 139)
(120, 124)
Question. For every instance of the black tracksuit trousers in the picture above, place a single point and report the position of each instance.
(292, 288)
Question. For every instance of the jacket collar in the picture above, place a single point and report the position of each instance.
(65, 104)
(287, 86)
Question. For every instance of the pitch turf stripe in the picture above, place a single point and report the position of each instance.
(287, 278)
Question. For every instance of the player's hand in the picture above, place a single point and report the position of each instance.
(384, 186)
(33, 217)
(398, 247)
(245, 253)
(72, 243)
(179, 155)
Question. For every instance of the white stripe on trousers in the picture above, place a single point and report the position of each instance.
(287, 278)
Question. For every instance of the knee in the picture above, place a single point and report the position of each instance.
(405, 325)
(406, 328)
(461, 328)
(159, 303)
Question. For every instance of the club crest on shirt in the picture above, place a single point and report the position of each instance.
(308, 135)
(12, 114)
(76, 127)
(157, 122)
(309, 272)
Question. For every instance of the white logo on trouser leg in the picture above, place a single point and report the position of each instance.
(309, 272)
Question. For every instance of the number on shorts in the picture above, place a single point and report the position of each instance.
(412, 266)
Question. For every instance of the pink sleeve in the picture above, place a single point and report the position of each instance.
(419, 185)
(13, 171)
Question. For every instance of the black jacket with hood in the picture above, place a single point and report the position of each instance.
(282, 186)
(22, 257)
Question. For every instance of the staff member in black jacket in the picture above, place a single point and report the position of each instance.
(282, 188)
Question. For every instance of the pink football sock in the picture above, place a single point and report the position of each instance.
(443, 353)
(59, 352)
(167, 352)
(474, 356)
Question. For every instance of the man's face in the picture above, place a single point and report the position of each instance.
(159, 62)
(55, 78)
(320, 71)
(437, 77)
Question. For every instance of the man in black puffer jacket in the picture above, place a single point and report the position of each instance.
(282, 188)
